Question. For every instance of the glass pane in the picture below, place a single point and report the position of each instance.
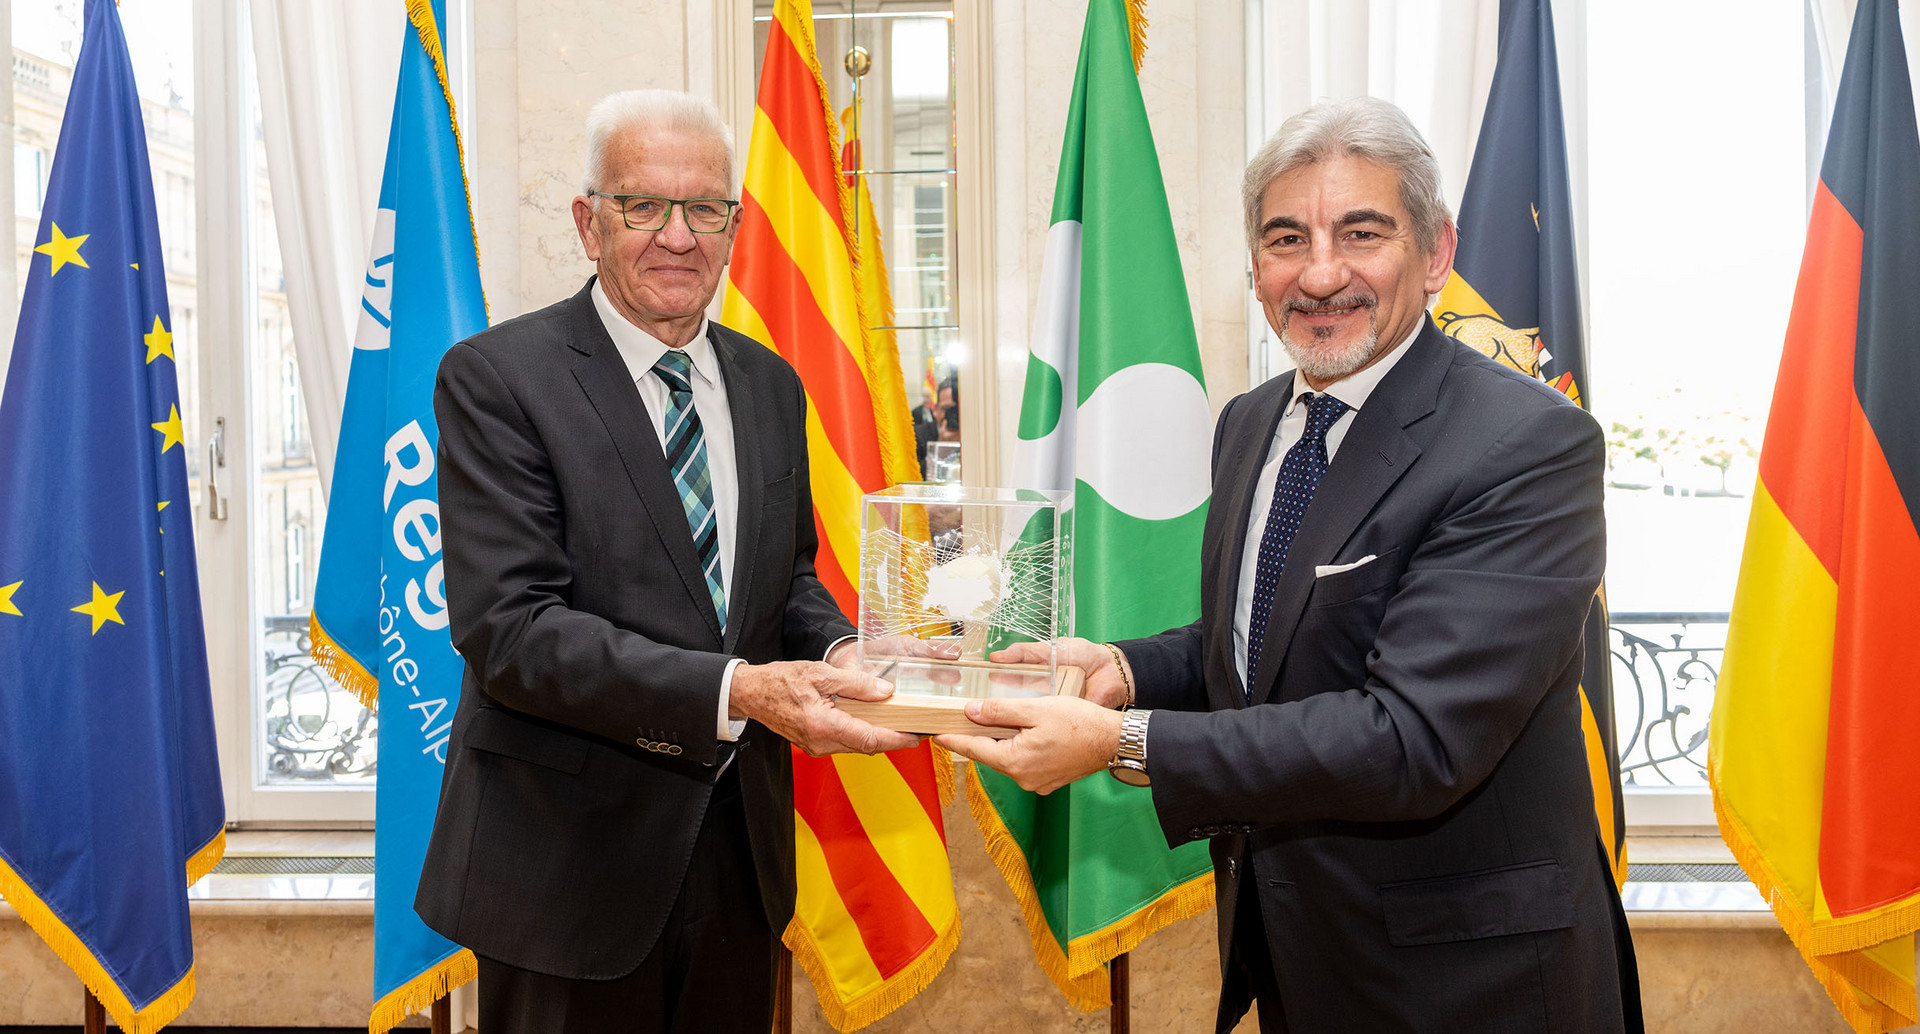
(308, 729)
(1684, 396)
(46, 42)
(904, 97)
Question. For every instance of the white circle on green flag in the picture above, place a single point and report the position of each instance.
(1143, 437)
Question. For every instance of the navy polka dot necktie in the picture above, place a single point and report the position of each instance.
(1299, 476)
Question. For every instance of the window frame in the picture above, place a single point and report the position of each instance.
(734, 93)
(227, 316)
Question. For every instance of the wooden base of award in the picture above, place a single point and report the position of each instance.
(932, 714)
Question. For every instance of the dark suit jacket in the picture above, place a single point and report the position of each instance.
(584, 750)
(1411, 790)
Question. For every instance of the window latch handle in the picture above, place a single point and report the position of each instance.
(216, 462)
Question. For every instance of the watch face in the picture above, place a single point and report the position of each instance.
(1130, 776)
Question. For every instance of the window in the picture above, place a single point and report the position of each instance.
(294, 746)
(1692, 270)
(296, 563)
(29, 179)
(293, 408)
(896, 78)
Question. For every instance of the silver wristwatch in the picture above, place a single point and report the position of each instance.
(1129, 765)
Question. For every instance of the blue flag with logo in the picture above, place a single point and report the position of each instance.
(110, 800)
(380, 605)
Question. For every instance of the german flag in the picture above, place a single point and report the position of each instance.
(1812, 756)
(1515, 296)
(876, 919)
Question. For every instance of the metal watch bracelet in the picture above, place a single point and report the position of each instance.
(1129, 763)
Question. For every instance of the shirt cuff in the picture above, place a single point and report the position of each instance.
(729, 730)
(835, 645)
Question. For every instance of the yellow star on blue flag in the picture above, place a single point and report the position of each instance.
(159, 341)
(7, 606)
(104, 607)
(63, 249)
(170, 428)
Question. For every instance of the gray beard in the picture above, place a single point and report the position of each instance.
(1324, 366)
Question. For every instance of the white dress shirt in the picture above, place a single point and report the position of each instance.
(641, 350)
(1352, 390)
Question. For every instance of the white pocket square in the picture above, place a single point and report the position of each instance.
(1326, 569)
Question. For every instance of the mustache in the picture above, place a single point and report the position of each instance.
(1345, 301)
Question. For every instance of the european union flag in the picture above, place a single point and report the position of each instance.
(380, 605)
(110, 799)
(1515, 296)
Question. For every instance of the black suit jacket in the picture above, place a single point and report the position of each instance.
(1410, 796)
(584, 750)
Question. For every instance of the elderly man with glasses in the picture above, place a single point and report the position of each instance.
(630, 571)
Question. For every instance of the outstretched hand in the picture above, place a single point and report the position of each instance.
(1061, 738)
(1104, 686)
(795, 699)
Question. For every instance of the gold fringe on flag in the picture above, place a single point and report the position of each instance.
(420, 13)
(74, 952)
(1828, 949)
(1079, 971)
(943, 773)
(430, 986)
(206, 858)
(893, 992)
(1137, 29)
(338, 663)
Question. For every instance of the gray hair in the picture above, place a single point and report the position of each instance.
(1364, 127)
(627, 110)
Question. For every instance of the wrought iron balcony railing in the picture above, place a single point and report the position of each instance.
(1666, 666)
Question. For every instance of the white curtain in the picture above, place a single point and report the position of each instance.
(327, 78)
(1433, 58)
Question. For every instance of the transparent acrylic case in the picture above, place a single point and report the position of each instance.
(949, 575)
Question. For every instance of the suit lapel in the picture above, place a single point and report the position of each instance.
(609, 388)
(1240, 469)
(747, 464)
(1373, 456)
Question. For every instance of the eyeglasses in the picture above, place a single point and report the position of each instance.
(646, 212)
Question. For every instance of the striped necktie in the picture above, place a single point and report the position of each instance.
(687, 459)
(1300, 474)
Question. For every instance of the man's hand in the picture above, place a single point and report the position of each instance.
(1060, 739)
(1104, 686)
(795, 699)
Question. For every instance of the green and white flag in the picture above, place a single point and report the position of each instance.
(1115, 411)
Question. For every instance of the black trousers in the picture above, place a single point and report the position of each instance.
(713, 969)
(1249, 968)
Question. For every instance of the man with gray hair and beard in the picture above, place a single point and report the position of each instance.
(629, 541)
(1376, 719)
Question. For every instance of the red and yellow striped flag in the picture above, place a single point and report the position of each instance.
(875, 919)
(1812, 754)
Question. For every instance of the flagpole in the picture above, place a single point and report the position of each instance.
(783, 993)
(1120, 979)
(93, 1015)
(442, 1018)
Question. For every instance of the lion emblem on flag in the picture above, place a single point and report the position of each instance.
(1511, 346)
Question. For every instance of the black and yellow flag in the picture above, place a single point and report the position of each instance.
(1515, 296)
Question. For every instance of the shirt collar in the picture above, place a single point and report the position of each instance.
(642, 350)
(1354, 389)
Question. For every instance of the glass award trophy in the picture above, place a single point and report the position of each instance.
(949, 575)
